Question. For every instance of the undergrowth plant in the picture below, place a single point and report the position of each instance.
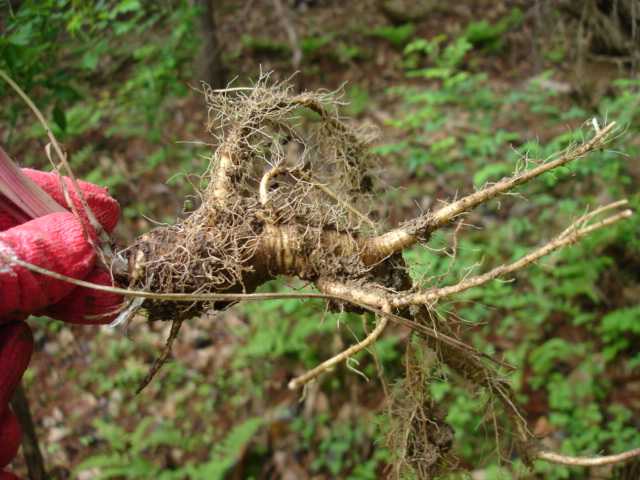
(59, 51)
(267, 214)
(262, 218)
(457, 122)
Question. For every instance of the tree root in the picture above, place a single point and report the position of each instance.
(309, 224)
(162, 359)
(341, 357)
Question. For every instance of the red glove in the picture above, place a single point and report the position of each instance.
(16, 347)
(57, 242)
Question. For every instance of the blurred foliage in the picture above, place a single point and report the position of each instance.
(104, 72)
(460, 124)
(58, 50)
(110, 72)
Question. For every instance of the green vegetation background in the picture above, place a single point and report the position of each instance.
(457, 106)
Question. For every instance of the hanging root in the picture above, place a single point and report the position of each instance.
(529, 447)
(419, 437)
(162, 359)
(341, 357)
(280, 201)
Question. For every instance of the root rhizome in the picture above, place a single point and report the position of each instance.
(277, 202)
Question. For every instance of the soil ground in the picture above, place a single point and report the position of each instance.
(71, 385)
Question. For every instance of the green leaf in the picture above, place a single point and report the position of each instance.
(89, 60)
(66, 93)
(60, 118)
(127, 6)
(10, 56)
(544, 357)
(22, 36)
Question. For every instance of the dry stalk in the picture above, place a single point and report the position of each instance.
(586, 461)
(108, 258)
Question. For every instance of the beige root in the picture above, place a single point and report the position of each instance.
(252, 228)
(268, 212)
(412, 232)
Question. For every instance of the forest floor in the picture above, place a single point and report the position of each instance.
(81, 380)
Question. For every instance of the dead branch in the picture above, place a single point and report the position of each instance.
(291, 33)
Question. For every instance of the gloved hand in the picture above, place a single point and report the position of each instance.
(57, 242)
